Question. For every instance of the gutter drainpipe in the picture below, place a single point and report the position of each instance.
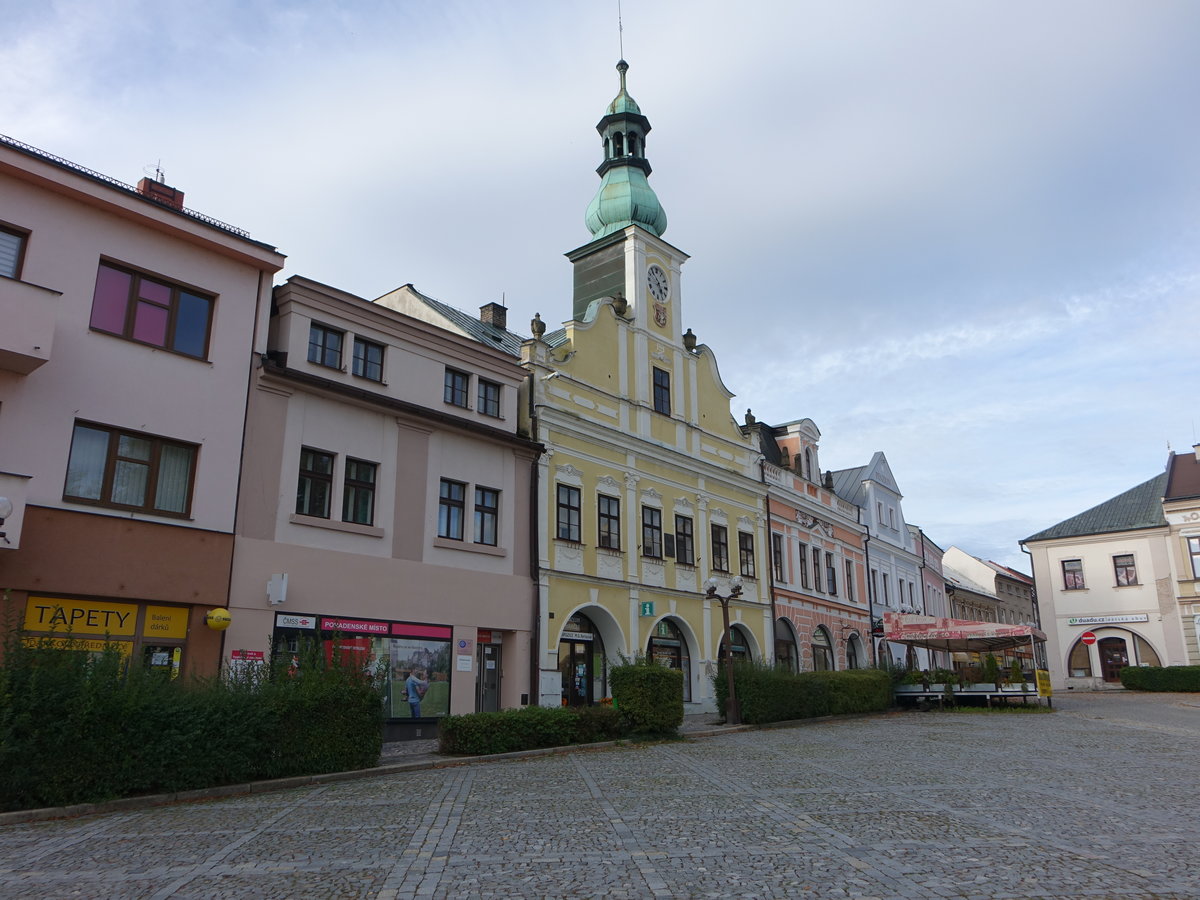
(535, 513)
(870, 591)
(1037, 609)
(762, 471)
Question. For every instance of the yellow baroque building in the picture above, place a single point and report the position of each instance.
(648, 486)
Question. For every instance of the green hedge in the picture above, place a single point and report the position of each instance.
(649, 696)
(773, 694)
(527, 728)
(79, 727)
(1166, 678)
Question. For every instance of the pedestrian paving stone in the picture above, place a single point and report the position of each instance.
(1092, 801)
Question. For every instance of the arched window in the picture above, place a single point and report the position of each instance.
(808, 466)
(822, 648)
(618, 144)
(607, 149)
(633, 142)
(737, 644)
(785, 646)
(854, 657)
(668, 647)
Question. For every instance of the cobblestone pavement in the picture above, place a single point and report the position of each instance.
(1095, 801)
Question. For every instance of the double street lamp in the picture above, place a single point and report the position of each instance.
(732, 715)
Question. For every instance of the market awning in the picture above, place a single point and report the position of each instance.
(962, 635)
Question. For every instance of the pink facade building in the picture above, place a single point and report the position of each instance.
(385, 503)
(818, 565)
(128, 325)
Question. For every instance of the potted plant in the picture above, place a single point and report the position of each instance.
(989, 675)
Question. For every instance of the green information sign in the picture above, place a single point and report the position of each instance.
(648, 608)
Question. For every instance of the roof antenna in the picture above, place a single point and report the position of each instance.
(620, 31)
(503, 302)
(158, 172)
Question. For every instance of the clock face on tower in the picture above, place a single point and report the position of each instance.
(657, 281)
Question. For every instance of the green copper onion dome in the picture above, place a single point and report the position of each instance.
(624, 197)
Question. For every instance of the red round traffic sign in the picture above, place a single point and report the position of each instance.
(1088, 637)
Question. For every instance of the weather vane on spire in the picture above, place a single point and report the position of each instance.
(620, 31)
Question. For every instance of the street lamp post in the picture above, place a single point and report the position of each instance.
(732, 715)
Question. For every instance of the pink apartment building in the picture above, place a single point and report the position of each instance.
(385, 503)
(128, 325)
(817, 576)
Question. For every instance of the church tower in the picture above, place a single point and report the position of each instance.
(626, 257)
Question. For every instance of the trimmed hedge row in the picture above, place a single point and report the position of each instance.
(527, 728)
(78, 727)
(1166, 678)
(647, 702)
(774, 694)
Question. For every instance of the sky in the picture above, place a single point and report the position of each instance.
(965, 234)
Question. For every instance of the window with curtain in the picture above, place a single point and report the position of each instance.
(130, 470)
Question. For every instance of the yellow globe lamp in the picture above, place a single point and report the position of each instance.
(218, 619)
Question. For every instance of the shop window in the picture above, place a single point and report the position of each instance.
(1126, 572)
(568, 514)
(489, 398)
(368, 359)
(487, 511)
(720, 548)
(1072, 570)
(358, 492)
(451, 506)
(777, 557)
(746, 554)
(667, 647)
(315, 486)
(325, 346)
(1146, 654)
(130, 470)
(662, 391)
(153, 311)
(685, 541)
(652, 532)
(455, 387)
(12, 251)
(1080, 663)
(609, 524)
(786, 654)
(738, 645)
(804, 566)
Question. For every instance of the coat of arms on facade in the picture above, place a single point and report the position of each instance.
(660, 314)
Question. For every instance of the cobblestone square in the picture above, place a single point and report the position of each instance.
(1095, 800)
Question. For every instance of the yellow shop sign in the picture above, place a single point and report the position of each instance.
(80, 616)
(166, 622)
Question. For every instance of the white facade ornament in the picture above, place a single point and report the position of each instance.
(746, 522)
(813, 523)
(569, 471)
(701, 502)
(609, 482)
(651, 494)
(631, 481)
(683, 504)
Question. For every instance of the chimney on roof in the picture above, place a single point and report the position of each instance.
(161, 193)
(493, 314)
(1196, 448)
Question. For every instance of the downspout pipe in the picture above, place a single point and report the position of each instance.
(870, 591)
(535, 514)
(762, 472)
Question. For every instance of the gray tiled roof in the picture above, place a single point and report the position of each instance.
(1139, 507)
(848, 484)
(488, 335)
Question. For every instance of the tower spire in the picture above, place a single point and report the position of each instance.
(624, 197)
